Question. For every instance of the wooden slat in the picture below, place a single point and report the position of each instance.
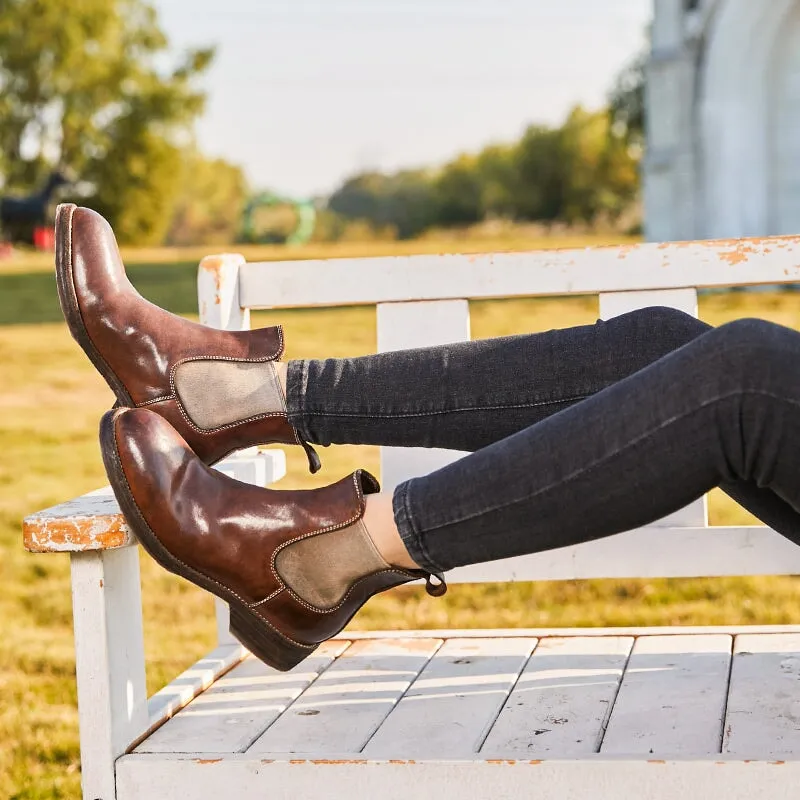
(650, 553)
(239, 707)
(644, 267)
(562, 700)
(544, 633)
(451, 706)
(146, 777)
(672, 698)
(166, 702)
(346, 704)
(94, 522)
(612, 304)
(763, 719)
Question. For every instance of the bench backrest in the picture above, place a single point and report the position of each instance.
(423, 300)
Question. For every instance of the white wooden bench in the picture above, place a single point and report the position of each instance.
(595, 714)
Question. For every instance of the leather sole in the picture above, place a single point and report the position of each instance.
(261, 639)
(68, 299)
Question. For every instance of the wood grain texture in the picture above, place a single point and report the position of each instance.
(179, 692)
(594, 778)
(239, 707)
(396, 719)
(763, 718)
(400, 279)
(453, 703)
(344, 707)
(672, 698)
(563, 699)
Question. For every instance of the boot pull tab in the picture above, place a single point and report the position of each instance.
(314, 463)
(435, 588)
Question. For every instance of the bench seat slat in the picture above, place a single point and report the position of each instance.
(349, 701)
(563, 699)
(239, 707)
(672, 697)
(484, 697)
(763, 716)
(453, 703)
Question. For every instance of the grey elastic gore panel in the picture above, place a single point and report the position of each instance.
(320, 569)
(216, 393)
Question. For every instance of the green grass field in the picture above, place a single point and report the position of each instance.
(50, 403)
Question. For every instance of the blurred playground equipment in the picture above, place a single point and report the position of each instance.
(269, 218)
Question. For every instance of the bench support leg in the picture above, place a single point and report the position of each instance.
(109, 655)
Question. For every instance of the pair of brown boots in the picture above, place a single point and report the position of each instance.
(294, 566)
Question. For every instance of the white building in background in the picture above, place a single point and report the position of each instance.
(723, 128)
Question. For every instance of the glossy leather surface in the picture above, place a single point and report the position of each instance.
(230, 531)
(142, 343)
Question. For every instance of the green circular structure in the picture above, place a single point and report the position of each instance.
(306, 217)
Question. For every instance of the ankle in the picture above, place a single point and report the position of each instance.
(381, 527)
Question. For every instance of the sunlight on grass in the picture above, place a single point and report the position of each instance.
(49, 409)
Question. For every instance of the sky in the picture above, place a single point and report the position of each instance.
(304, 93)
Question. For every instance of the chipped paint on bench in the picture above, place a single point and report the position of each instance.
(90, 522)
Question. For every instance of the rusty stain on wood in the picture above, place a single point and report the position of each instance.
(42, 535)
(90, 522)
(207, 760)
(624, 250)
(738, 254)
(213, 265)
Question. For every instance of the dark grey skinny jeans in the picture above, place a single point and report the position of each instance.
(573, 434)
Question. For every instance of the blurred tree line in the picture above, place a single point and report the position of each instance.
(92, 88)
(582, 173)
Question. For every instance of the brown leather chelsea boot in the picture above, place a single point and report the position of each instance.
(217, 388)
(294, 565)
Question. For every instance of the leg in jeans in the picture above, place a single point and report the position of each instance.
(472, 394)
(725, 407)
(464, 396)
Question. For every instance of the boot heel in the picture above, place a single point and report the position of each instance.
(263, 642)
